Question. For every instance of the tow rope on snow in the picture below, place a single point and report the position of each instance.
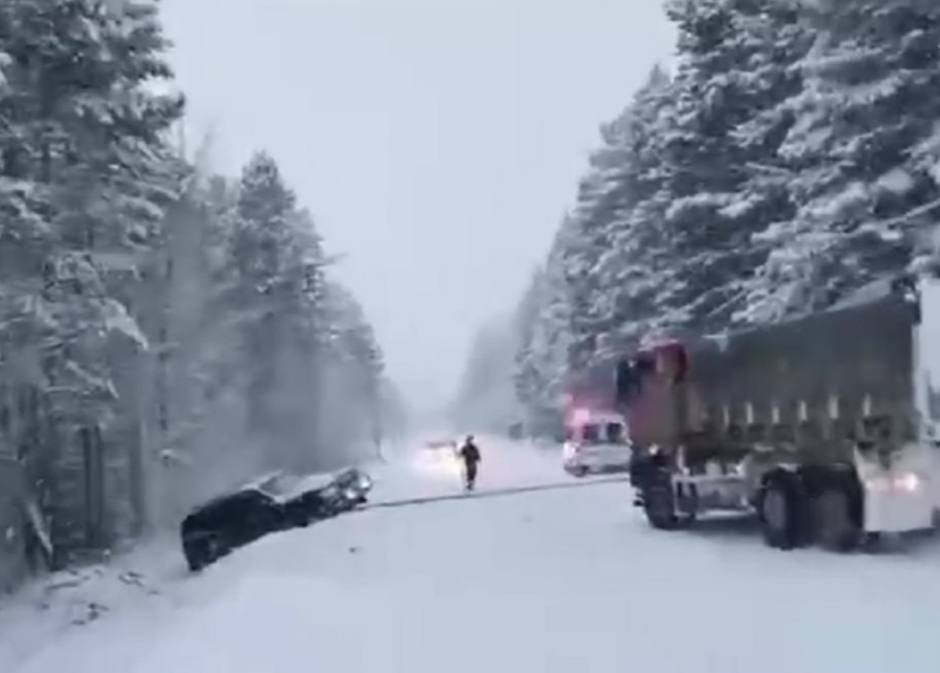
(496, 492)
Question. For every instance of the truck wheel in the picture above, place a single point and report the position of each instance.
(781, 512)
(659, 502)
(836, 526)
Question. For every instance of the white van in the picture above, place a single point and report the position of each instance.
(597, 442)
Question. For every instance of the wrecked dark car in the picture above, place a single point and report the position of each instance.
(227, 522)
(275, 502)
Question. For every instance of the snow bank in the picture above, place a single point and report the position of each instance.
(51, 607)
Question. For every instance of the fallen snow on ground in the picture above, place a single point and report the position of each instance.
(556, 580)
(50, 608)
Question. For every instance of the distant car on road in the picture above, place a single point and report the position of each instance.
(441, 444)
(597, 443)
(275, 502)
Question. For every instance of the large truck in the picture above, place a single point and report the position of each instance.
(827, 427)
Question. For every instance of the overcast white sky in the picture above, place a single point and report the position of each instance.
(437, 142)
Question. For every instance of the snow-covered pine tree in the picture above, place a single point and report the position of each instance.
(630, 270)
(544, 320)
(863, 153)
(394, 412)
(83, 148)
(350, 379)
(661, 233)
(304, 358)
(734, 60)
(302, 354)
(589, 236)
(485, 397)
(260, 239)
(526, 323)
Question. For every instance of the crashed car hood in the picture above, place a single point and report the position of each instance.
(305, 484)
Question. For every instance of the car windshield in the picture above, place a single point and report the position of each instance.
(278, 485)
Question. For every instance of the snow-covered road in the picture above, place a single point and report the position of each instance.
(555, 580)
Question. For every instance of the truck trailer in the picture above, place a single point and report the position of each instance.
(827, 427)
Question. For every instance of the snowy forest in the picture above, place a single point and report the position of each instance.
(165, 331)
(788, 156)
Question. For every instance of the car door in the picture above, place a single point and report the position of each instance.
(248, 516)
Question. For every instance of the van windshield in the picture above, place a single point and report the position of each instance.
(615, 433)
(606, 433)
(590, 433)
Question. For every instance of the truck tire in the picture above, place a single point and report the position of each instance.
(837, 525)
(659, 501)
(782, 511)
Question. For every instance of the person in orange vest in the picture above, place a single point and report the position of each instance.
(471, 458)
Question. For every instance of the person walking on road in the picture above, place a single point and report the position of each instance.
(471, 458)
